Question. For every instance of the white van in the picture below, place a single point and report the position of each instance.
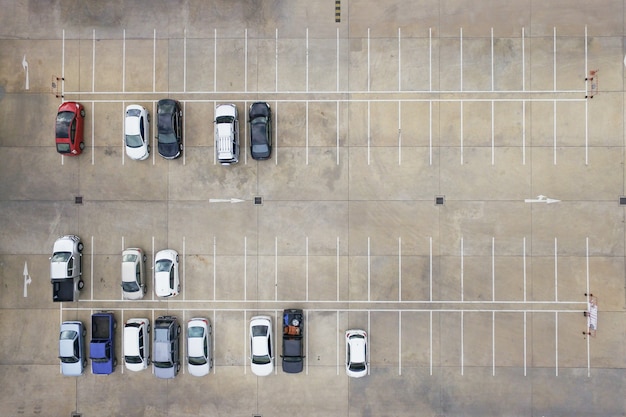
(226, 134)
(137, 344)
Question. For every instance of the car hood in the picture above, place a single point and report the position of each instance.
(198, 370)
(165, 373)
(169, 150)
(293, 366)
(137, 153)
(58, 270)
(262, 370)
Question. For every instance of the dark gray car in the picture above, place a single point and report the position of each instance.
(166, 353)
(169, 128)
(260, 117)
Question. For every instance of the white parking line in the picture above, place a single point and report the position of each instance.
(368, 62)
(275, 268)
(369, 269)
(214, 328)
(337, 145)
(492, 58)
(185, 60)
(493, 268)
(586, 113)
(588, 297)
(462, 344)
(307, 65)
(524, 265)
(306, 127)
(93, 136)
(276, 321)
(122, 343)
(399, 60)
(430, 345)
(93, 63)
(556, 271)
(430, 132)
(245, 342)
(525, 342)
(184, 269)
(124, 60)
(276, 62)
(462, 268)
(554, 59)
(306, 331)
(369, 335)
(214, 61)
(524, 61)
(554, 127)
(430, 269)
(337, 60)
(430, 59)
(399, 342)
(63, 61)
(276, 133)
(245, 268)
(307, 268)
(184, 133)
(152, 267)
(154, 60)
(337, 268)
(556, 343)
(399, 133)
(337, 335)
(493, 139)
(123, 133)
(461, 56)
(214, 267)
(493, 342)
(91, 267)
(523, 132)
(155, 145)
(369, 137)
(461, 121)
(183, 325)
(399, 269)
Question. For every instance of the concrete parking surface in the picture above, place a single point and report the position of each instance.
(446, 176)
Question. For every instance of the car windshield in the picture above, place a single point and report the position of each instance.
(68, 334)
(133, 112)
(197, 360)
(195, 331)
(63, 147)
(357, 366)
(130, 286)
(259, 330)
(162, 364)
(132, 359)
(163, 265)
(133, 141)
(60, 256)
(260, 359)
(69, 359)
(64, 119)
(129, 257)
(225, 119)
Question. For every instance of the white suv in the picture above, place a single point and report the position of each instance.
(227, 134)
(137, 344)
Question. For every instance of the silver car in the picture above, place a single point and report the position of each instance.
(133, 274)
(166, 354)
(72, 348)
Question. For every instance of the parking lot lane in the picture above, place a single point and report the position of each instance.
(34, 324)
(23, 395)
(478, 387)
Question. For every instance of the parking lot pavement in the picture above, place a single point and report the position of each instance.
(445, 183)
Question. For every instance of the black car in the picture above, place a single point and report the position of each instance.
(260, 130)
(169, 128)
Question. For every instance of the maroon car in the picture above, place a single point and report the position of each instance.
(69, 128)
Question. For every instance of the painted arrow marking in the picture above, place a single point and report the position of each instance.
(225, 200)
(27, 280)
(25, 66)
(541, 199)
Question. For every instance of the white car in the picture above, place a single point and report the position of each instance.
(356, 353)
(137, 132)
(137, 344)
(72, 349)
(261, 349)
(166, 281)
(133, 274)
(199, 360)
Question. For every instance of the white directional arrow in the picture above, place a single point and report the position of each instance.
(27, 280)
(225, 200)
(25, 66)
(541, 199)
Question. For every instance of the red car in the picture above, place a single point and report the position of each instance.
(69, 128)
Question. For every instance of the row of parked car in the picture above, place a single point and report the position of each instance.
(66, 271)
(70, 122)
(66, 278)
(165, 357)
